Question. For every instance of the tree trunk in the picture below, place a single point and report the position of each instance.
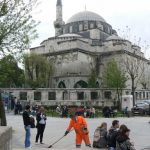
(133, 91)
(118, 95)
(2, 113)
(120, 99)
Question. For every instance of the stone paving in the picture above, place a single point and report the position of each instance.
(55, 128)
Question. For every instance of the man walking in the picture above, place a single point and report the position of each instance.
(80, 126)
(27, 126)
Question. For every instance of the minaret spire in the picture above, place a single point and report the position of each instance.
(59, 18)
(59, 3)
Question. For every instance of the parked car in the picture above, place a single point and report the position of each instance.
(141, 108)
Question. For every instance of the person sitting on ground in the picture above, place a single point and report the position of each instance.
(112, 135)
(100, 136)
(122, 127)
(123, 140)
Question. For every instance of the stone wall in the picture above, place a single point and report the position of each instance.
(5, 138)
(72, 96)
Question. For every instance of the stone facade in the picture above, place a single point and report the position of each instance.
(87, 41)
(5, 138)
(72, 96)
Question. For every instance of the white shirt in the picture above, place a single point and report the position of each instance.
(42, 121)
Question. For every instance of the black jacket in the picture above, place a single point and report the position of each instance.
(26, 118)
(123, 143)
(112, 135)
(38, 118)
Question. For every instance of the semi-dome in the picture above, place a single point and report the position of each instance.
(85, 16)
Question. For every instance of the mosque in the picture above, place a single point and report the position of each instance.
(84, 42)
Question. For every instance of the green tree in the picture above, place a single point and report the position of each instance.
(38, 70)
(92, 79)
(10, 74)
(17, 28)
(114, 77)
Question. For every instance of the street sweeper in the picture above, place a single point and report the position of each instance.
(79, 124)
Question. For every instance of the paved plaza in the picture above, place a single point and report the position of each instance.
(55, 128)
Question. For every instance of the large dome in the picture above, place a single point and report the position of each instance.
(85, 16)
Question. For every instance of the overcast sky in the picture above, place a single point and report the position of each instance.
(119, 13)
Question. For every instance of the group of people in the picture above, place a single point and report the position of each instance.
(108, 112)
(116, 138)
(63, 111)
(17, 108)
(30, 123)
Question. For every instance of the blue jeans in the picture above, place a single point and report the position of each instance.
(27, 136)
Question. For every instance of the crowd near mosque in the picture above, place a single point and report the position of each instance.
(117, 137)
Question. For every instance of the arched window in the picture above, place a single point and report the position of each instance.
(81, 84)
(61, 85)
(97, 84)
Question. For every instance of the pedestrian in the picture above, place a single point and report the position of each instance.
(126, 112)
(58, 110)
(92, 112)
(27, 126)
(112, 135)
(106, 112)
(100, 136)
(41, 123)
(123, 140)
(19, 106)
(80, 126)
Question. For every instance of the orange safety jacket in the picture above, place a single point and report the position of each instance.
(79, 124)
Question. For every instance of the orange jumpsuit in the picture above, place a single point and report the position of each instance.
(79, 124)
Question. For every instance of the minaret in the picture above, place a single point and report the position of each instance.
(59, 19)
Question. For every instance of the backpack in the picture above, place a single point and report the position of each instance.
(96, 135)
(32, 122)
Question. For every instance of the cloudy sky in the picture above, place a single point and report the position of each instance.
(129, 17)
